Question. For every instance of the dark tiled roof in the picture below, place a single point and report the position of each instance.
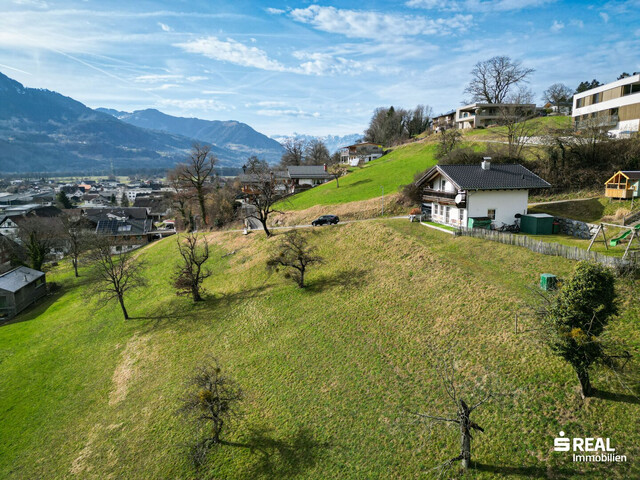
(497, 177)
(19, 277)
(125, 212)
(308, 171)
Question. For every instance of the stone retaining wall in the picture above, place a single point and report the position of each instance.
(576, 228)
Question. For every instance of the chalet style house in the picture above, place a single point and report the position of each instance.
(452, 194)
(359, 153)
(623, 185)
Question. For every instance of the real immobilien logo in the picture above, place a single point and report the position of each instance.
(593, 449)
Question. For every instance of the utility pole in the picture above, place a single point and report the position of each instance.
(382, 186)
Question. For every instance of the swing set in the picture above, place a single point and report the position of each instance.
(632, 233)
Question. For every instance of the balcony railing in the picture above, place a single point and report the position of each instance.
(431, 195)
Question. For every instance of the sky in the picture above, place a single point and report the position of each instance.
(305, 67)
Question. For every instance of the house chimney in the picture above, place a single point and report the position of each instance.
(324, 165)
(486, 163)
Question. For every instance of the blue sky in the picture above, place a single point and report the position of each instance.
(315, 68)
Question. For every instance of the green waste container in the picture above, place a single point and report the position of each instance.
(537, 223)
(479, 222)
(548, 281)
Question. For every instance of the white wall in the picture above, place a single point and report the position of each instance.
(506, 203)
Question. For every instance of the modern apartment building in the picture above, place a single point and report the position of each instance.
(484, 114)
(614, 106)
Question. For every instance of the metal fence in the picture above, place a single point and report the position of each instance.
(554, 249)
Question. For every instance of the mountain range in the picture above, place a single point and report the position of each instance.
(43, 131)
(333, 142)
(231, 135)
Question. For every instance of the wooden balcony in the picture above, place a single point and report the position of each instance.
(624, 193)
(442, 197)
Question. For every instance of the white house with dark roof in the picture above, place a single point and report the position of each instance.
(452, 194)
(19, 288)
(307, 175)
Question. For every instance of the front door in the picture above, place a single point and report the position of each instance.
(446, 214)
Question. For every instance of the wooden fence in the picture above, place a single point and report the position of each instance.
(554, 249)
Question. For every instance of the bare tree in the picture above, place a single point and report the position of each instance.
(293, 152)
(558, 94)
(190, 272)
(493, 79)
(337, 170)
(182, 195)
(212, 401)
(464, 407)
(264, 194)
(418, 120)
(316, 153)
(448, 141)
(116, 271)
(195, 173)
(77, 233)
(295, 255)
(38, 236)
(514, 116)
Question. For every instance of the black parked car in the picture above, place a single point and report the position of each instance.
(325, 220)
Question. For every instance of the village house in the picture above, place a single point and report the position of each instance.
(359, 153)
(624, 184)
(614, 107)
(452, 194)
(307, 176)
(485, 114)
(444, 121)
(20, 288)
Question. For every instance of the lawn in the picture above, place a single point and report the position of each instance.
(328, 372)
(590, 211)
(391, 171)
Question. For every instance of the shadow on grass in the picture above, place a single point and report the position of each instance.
(533, 471)
(229, 299)
(359, 182)
(615, 397)
(349, 278)
(280, 458)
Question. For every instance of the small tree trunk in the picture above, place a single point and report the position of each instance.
(337, 184)
(75, 266)
(301, 282)
(124, 310)
(264, 226)
(202, 208)
(465, 434)
(585, 383)
(196, 294)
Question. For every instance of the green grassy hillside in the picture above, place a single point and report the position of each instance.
(328, 372)
(390, 171)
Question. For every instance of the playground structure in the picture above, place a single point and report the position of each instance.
(631, 233)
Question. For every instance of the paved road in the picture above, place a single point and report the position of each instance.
(258, 226)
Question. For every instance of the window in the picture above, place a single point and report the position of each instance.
(579, 102)
(491, 214)
(632, 88)
(613, 112)
(595, 98)
(443, 184)
(460, 215)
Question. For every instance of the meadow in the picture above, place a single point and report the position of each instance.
(330, 372)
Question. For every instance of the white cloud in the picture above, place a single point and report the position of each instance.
(232, 52)
(164, 27)
(272, 112)
(557, 26)
(266, 103)
(327, 64)
(477, 5)
(605, 17)
(577, 23)
(196, 78)
(274, 11)
(369, 24)
(202, 104)
(153, 78)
